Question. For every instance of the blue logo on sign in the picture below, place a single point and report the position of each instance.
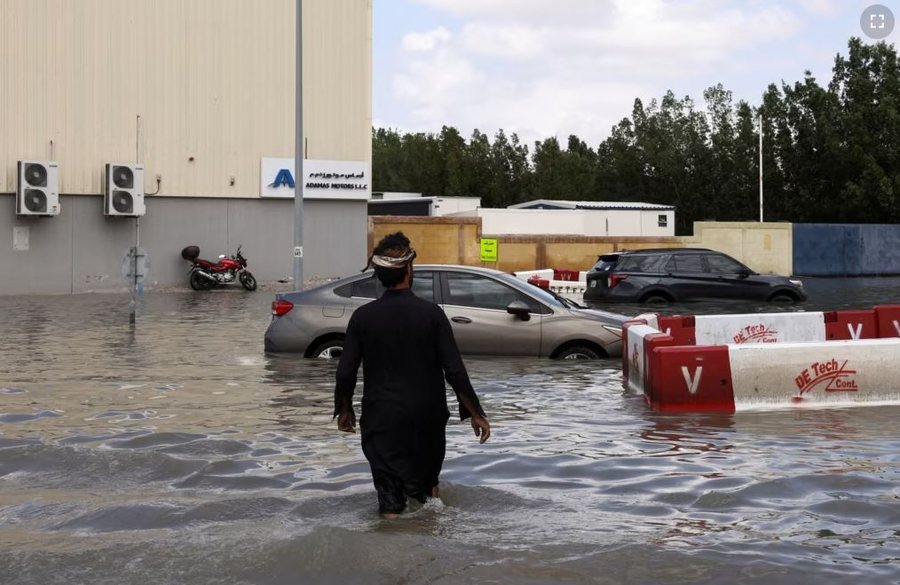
(283, 179)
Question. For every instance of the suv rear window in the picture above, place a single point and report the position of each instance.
(605, 263)
(642, 263)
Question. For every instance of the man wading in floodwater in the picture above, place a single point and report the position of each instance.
(406, 347)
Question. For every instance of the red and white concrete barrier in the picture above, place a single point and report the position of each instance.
(732, 362)
(559, 281)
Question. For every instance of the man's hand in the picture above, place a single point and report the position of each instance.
(346, 422)
(481, 427)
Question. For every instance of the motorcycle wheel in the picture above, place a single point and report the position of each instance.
(199, 282)
(248, 281)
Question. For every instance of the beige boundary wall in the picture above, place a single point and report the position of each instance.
(765, 247)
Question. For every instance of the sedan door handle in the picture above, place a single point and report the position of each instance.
(460, 320)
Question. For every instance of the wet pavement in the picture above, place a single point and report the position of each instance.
(178, 452)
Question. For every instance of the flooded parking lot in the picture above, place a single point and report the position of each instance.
(178, 452)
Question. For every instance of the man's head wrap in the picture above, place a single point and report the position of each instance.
(393, 251)
(385, 261)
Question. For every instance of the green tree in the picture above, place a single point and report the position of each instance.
(548, 181)
(829, 153)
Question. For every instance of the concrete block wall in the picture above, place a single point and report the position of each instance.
(764, 247)
(81, 250)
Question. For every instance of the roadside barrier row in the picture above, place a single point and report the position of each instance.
(558, 281)
(725, 362)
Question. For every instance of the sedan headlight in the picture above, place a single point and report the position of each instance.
(795, 282)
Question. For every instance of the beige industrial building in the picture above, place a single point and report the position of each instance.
(201, 95)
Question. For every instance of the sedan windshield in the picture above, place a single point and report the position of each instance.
(545, 296)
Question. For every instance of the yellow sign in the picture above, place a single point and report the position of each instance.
(488, 250)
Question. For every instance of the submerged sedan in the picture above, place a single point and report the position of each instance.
(491, 312)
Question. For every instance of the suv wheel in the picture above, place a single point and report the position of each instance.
(656, 299)
(782, 298)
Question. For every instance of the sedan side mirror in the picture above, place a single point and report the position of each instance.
(520, 309)
(743, 273)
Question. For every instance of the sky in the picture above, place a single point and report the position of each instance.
(544, 68)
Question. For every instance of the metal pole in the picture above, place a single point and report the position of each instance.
(760, 169)
(298, 156)
(132, 306)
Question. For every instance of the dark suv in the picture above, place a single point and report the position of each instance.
(683, 274)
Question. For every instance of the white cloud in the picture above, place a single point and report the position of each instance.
(572, 66)
(529, 10)
(823, 7)
(424, 42)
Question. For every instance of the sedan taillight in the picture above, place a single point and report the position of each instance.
(615, 279)
(281, 307)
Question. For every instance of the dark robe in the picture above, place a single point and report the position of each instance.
(407, 348)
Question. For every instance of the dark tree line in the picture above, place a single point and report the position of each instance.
(830, 154)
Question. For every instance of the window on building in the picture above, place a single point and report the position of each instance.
(662, 220)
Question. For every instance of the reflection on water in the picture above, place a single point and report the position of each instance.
(178, 452)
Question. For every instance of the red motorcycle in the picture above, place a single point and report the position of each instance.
(204, 274)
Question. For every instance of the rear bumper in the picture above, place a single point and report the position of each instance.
(283, 337)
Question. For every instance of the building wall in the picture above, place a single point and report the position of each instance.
(846, 250)
(212, 81)
(650, 223)
(437, 240)
(531, 221)
(576, 222)
(83, 251)
(454, 205)
(764, 247)
(456, 240)
(779, 248)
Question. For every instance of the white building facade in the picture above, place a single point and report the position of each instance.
(578, 218)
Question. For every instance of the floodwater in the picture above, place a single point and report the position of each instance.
(179, 453)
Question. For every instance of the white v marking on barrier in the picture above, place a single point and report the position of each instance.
(897, 327)
(692, 382)
(855, 333)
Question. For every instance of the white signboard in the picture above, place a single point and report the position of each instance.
(324, 179)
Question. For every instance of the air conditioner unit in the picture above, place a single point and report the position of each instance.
(37, 190)
(124, 190)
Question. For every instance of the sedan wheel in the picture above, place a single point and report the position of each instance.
(330, 350)
(578, 353)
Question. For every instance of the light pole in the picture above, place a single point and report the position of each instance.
(298, 156)
(760, 169)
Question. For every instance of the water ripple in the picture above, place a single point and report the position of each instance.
(178, 452)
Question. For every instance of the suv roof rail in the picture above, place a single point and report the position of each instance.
(666, 250)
